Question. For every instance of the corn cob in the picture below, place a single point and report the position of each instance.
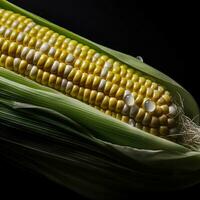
(83, 73)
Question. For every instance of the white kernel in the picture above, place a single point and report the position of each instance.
(2, 29)
(7, 33)
(44, 47)
(54, 67)
(38, 44)
(24, 52)
(69, 58)
(33, 71)
(104, 72)
(69, 86)
(127, 92)
(16, 63)
(102, 84)
(95, 57)
(36, 57)
(149, 105)
(30, 55)
(125, 110)
(20, 37)
(52, 40)
(133, 111)
(68, 69)
(52, 51)
(28, 69)
(107, 65)
(64, 83)
(129, 99)
(15, 24)
(131, 122)
(172, 110)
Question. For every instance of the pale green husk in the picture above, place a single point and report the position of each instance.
(80, 147)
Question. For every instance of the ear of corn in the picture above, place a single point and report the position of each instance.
(56, 119)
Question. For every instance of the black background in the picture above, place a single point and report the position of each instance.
(165, 34)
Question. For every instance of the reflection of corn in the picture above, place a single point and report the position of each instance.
(81, 72)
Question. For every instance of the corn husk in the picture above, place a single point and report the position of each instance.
(79, 147)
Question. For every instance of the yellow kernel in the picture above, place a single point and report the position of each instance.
(119, 106)
(154, 131)
(74, 91)
(86, 95)
(52, 80)
(142, 80)
(156, 95)
(32, 42)
(163, 120)
(129, 75)
(107, 87)
(96, 82)
(13, 35)
(45, 78)
(149, 92)
(80, 93)
(108, 112)
(125, 119)
(83, 79)
(97, 70)
(113, 90)
(91, 67)
(71, 74)
(85, 65)
(135, 77)
(9, 63)
(63, 56)
(99, 98)
(109, 76)
(3, 59)
(57, 53)
(139, 99)
(61, 69)
(105, 102)
(42, 60)
(89, 81)
(163, 130)
(165, 109)
(123, 72)
(129, 84)
(58, 82)
(148, 83)
(120, 93)
(147, 119)
(136, 86)
(140, 115)
(22, 66)
(39, 75)
(26, 39)
(77, 77)
(12, 49)
(116, 79)
(78, 63)
(5, 46)
(112, 103)
(92, 98)
(48, 64)
(123, 82)
(154, 122)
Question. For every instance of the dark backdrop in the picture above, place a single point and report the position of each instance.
(164, 33)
